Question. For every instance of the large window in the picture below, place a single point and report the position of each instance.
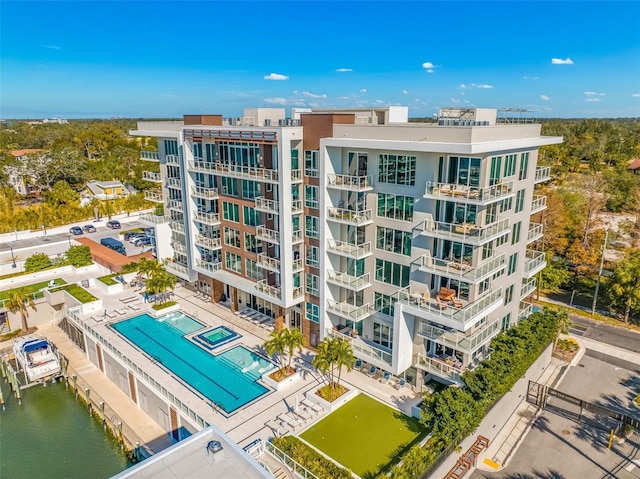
(515, 235)
(393, 241)
(397, 207)
(311, 226)
(231, 237)
(513, 263)
(524, 166)
(313, 284)
(382, 335)
(311, 163)
(210, 148)
(384, 304)
(312, 256)
(230, 212)
(496, 165)
(392, 273)
(197, 150)
(252, 270)
(508, 295)
(251, 217)
(251, 244)
(229, 186)
(464, 170)
(510, 165)
(311, 196)
(233, 262)
(397, 169)
(239, 154)
(170, 147)
(250, 189)
(312, 312)
(520, 201)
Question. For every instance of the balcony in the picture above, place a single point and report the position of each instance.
(153, 219)
(296, 207)
(365, 351)
(528, 287)
(207, 242)
(172, 159)
(524, 310)
(212, 219)
(208, 167)
(350, 183)
(266, 205)
(267, 235)
(266, 262)
(539, 204)
(297, 265)
(206, 193)
(268, 289)
(468, 194)
(461, 318)
(174, 183)
(535, 232)
(543, 173)
(439, 367)
(149, 156)
(534, 262)
(298, 292)
(460, 341)
(461, 270)
(235, 171)
(311, 173)
(464, 232)
(175, 205)
(177, 269)
(179, 247)
(153, 176)
(349, 250)
(349, 217)
(209, 266)
(177, 226)
(349, 311)
(353, 283)
(296, 176)
(153, 195)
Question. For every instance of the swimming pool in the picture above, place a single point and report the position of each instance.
(216, 337)
(180, 321)
(228, 379)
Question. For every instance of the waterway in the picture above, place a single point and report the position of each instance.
(51, 435)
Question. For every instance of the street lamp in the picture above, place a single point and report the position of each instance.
(13, 258)
(44, 229)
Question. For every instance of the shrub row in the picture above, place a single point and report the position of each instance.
(310, 459)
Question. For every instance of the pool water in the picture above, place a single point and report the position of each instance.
(216, 337)
(228, 380)
(181, 322)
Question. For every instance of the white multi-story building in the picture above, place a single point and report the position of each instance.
(413, 241)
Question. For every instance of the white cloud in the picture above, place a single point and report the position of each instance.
(635, 95)
(592, 99)
(427, 65)
(276, 76)
(363, 90)
(379, 101)
(405, 92)
(560, 61)
(276, 101)
(544, 97)
(455, 100)
(313, 95)
(594, 93)
(344, 70)
(52, 47)
(430, 70)
(462, 86)
(481, 85)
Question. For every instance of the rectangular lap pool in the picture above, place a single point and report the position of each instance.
(216, 337)
(228, 379)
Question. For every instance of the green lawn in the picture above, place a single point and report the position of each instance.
(32, 288)
(364, 435)
(77, 292)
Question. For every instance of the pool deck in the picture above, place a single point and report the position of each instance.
(253, 421)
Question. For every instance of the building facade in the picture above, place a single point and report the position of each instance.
(412, 241)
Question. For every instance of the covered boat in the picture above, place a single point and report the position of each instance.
(37, 358)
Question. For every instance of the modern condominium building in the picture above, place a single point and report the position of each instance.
(412, 241)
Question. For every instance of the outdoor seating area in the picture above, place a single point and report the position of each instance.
(257, 318)
(113, 314)
(380, 375)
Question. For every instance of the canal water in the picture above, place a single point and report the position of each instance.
(51, 435)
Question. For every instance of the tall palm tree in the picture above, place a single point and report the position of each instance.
(322, 360)
(333, 353)
(342, 356)
(276, 345)
(147, 267)
(293, 339)
(159, 282)
(19, 301)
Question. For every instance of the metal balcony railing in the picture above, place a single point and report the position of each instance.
(350, 250)
(209, 265)
(149, 155)
(267, 262)
(528, 287)
(172, 159)
(439, 367)
(173, 183)
(153, 176)
(349, 311)
(177, 226)
(207, 242)
(351, 183)
(461, 269)
(267, 205)
(353, 283)
(524, 310)
(268, 289)
(543, 173)
(175, 205)
(464, 232)
(265, 234)
(202, 192)
(534, 262)
(357, 218)
(539, 203)
(364, 350)
(153, 195)
(535, 232)
(460, 341)
(471, 194)
(207, 218)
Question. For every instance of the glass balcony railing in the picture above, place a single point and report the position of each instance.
(296, 207)
(177, 226)
(175, 205)
(153, 176)
(472, 194)
(534, 262)
(172, 159)
(173, 183)
(209, 265)
(153, 195)
(207, 218)
(528, 287)
(267, 205)
(149, 155)
(442, 368)
(236, 171)
(539, 203)
(356, 218)
(543, 173)
(535, 232)
(266, 262)
(209, 243)
(465, 232)
(179, 247)
(349, 250)
(461, 268)
(353, 283)
(177, 268)
(296, 176)
(268, 289)
(364, 350)
(460, 341)
(265, 234)
(524, 310)
(154, 219)
(349, 311)
(351, 183)
(297, 265)
(202, 192)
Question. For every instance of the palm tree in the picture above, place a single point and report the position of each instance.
(322, 361)
(159, 282)
(147, 267)
(342, 356)
(19, 300)
(276, 345)
(293, 339)
(333, 353)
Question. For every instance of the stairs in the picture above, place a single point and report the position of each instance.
(281, 474)
(468, 459)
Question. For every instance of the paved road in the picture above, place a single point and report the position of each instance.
(604, 333)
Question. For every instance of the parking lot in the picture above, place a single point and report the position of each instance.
(103, 232)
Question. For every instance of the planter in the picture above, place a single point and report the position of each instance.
(279, 385)
(163, 311)
(108, 289)
(311, 395)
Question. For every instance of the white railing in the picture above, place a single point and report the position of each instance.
(211, 243)
(361, 348)
(203, 166)
(288, 461)
(355, 283)
(172, 159)
(175, 205)
(348, 216)
(152, 176)
(173, 267)
(535, 232)
(179, 247)
(528, 287)
(149, 155)
(296, 175)
(296, 206)
(454, 268)
(466, 232)
(543, 173)
(296, 236)
(265, 204)
(207, 218)
(349, 311)
(351, 250)
(348, 182)
(265, 234)
(208, 265)
(153, 195)
(439, 367)
(311, 173)
(468, 193)
(539, 203)
(267, 262)
(155, 219)
(297, 265)
(173, 183)
(177, 226)
(459, 340)
(265, 288)
(524, 310)
(252, 172)
(202, 192)
(533, 260)
(298, 291)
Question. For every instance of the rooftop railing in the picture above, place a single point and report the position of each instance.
(207, 242)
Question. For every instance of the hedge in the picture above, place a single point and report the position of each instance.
(310, 459)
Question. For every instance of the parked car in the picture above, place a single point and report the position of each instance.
(75, 230)
(136, 236)
(127, 236)
(143, 242)
(89, 229)
(113, 224)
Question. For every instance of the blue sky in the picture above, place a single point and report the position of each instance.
(97, 59)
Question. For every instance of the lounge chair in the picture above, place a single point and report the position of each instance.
(372, 371)
(385, 377)
(401, 384)
(358, 364)
(313, 406)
